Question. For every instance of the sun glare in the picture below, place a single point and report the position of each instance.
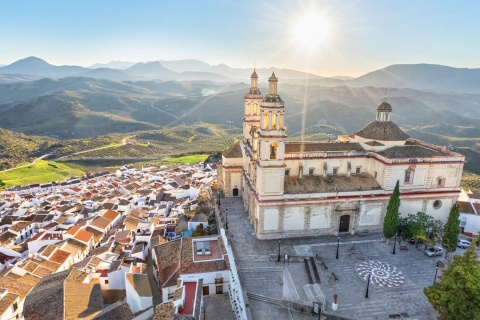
(311, 31)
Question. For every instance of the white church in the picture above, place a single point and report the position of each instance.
(294, 189)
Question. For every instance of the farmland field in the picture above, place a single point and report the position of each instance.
(40, 172)
(193, 158)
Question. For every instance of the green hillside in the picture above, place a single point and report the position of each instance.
(16, 148)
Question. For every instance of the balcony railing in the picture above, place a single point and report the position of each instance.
(218, 280)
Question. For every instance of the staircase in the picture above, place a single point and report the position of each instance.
(259, 297)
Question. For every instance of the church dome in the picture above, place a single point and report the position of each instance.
(384, 107)
(383, 131)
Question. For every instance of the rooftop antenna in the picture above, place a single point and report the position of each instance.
(385, 95)
(254, 64)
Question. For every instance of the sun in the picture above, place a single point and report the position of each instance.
(310, 31)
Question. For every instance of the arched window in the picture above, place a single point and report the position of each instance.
(273, 151)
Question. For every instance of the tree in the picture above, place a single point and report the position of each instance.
(2, 184)
(199, 231)
(452, 228)
(422, 227)
(457, 295)
(390, 222)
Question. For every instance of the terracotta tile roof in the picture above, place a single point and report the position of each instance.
(164, 311)
(7, 237)
(84, 236)
(6, 301)
(100, 223)
(118, 311)
(168, 261)
(30, 266)
(131, 223)
(383, 131)
(122, 235)
(474, 194)
(82, 300)
(138, 248)
(374, 143)
(331, 183)
(477, 207)
(411, 151)
(189, 266)
(140, 283)
(70, 248)
(48, 250)
(60, 256)
(67, 289)
(97, 235)
(52, 265)
(78, 244)
(110, 215)
(17, 227)
(465, 207)
(234, 151)
(61, 220)
(20, 285)
(42, 272)
(73, 230)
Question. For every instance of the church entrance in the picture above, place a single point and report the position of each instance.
(344, 223)
(235, 192)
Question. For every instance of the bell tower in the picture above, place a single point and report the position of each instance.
(251, 115)
(271, 143)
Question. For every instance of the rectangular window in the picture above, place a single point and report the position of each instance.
(310, 171)
(408, 177)
(375, 175)
(335, 170)
(287, 172)
(357, 170)
(441, 182)
(106, 281)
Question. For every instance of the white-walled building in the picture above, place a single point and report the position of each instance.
(139, 294)
(293, 189)
(187, 258)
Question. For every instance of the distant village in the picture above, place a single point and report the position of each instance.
(114, 246)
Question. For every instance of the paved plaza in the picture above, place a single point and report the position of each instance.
(396, 281)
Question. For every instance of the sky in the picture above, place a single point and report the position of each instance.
(353, 38)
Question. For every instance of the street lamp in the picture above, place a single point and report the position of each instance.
(338, 244)
(435, 279)
(278, 256)
(394, 243)
(226, 219)
(368, 283)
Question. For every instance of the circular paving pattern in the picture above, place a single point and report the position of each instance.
(382, 274)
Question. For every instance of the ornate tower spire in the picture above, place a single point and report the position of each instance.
(254, 79)
(251, 114)
(272, 84)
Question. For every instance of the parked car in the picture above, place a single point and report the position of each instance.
(463, 243)
(434, 251)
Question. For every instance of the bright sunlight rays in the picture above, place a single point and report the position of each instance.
(311, 31)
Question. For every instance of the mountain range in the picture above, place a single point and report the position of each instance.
(438, 104)
(414, 76)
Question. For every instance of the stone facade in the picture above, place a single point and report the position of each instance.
(294, 189)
